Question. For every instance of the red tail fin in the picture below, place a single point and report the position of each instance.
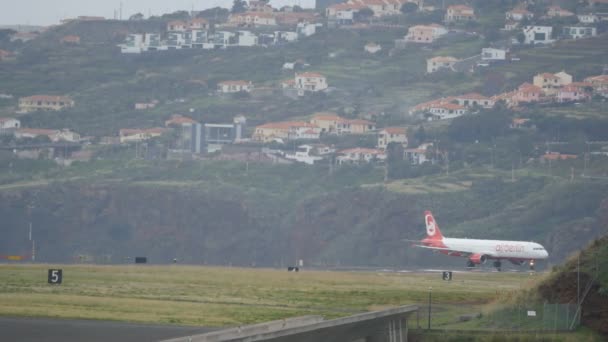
(432, 229)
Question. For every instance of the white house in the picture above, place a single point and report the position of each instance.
(518, 14)
(419, 155)
(372, 48)
(578, 32)
(304, 154)
(492, 54)
(360, 155)
(65, 135)
(538, 34)
(589, 18)
(446, 111)
(440, 62)
(474, 99)
(230, 87)
(392, 135)
(247, 38)
(9, 125)
(310, 82)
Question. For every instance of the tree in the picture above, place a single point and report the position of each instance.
(521, 37)
(409, 7)
(238, 6)
(136, 16)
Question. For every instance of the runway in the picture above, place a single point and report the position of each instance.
(59, 330)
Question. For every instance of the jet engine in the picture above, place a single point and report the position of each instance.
(478, 259)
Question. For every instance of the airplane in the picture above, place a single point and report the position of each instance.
(480, 251)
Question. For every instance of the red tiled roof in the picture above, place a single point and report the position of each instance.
(287, 125)
(474, 96)
(443, 59)
(395, 130)
(547, 75)
(310, 75)
(327, 116)
(358, 122)
(177, 119)
(558, 156)
(70, 39)
(450, 106)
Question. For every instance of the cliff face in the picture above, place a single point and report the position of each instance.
(113, 221)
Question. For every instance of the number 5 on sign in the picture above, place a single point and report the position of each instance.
(55, 277)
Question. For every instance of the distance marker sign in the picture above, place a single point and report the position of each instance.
(55, 277)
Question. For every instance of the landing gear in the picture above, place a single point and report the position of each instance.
(497, 264)
(470, 264)
(531, 265)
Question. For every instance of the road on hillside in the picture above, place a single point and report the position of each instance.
(57, 330)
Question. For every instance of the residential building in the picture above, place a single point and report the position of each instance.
(65, 135)
(307, 154)
(518, 123)
(392, 135)
(252, 19)
(146, 105)
(426, 106)
(230, 87)
(557, 11)
(295, 18)
(578, 32)
(440, 62)
(24, 36)
(550, 83)
(310, 82)
(527, 93)
(474, 99)
(574, 92)
(282, 131)
(225, 38)
(326, 121)
(136, 135)
(199, 24)
(589, 18)
(443, 111)
(493, 54)
(372, 48)
(360, 155)
(419, 155)
(344, 13)
(247, 38)
(306, 29)
(425, 34)
(457, 13)
(259, 6)
(9, 125)
(518, 14)
(381, 8)
(538, 34)
(44, 102)
(177, 26)
(355, 126)
(599, 84)
(511, 25)
(178, 120)
(31, 133)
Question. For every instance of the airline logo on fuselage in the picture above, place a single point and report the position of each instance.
(509, 248)
(430, 225)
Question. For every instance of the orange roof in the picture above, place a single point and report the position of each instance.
(520, 11)
(474, 96)
(46, 98)
(451, 106)
(520, 121)
(443, 59)
(358, 122)
(310, 75)
(346, 7)
(362, 150)
(530, 88)
(460, 8)
(177, 119)
(548, 75)
(395, 130)
(38, 131)
(287, 125)
(71, 39)
(558, 156)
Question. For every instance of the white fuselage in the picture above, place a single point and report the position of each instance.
(498, 249)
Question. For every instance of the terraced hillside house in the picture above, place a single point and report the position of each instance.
(310, 82)
(128, 135)
(326, 121)
(231, 87)
(54, 135)
(578, 32)
(574, 92)
(70, 40)
(494, 54)
(381, 8)
(360, 155)
(527, 93)
(419, 155)
(259, 6)
(538, 35)
(343, 14)
(284, 131)
(389, 135)
(599, 84)
(199, 24)
(518, 14)
(9, 125)
(459, 13)
(474, 100)
(252, 19)
(443, 111)
(425, 34)
(588, 18)
(440, 62)
(550, 83)
(44, 102)
(177, 26)
(558, 12)
(354, 126)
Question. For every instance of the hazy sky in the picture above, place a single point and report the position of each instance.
(46, 12)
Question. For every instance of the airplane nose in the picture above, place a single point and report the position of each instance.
(545, 254)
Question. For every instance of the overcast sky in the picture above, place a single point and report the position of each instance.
(47, 12)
